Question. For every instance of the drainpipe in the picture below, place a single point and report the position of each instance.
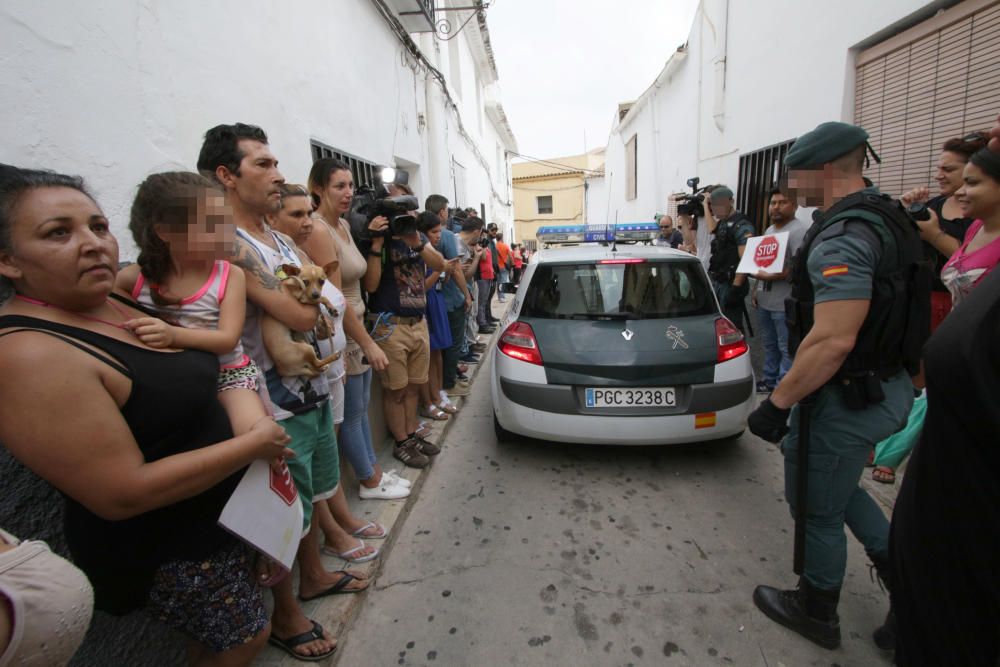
(721, 46)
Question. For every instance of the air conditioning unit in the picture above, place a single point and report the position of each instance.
(414, 15)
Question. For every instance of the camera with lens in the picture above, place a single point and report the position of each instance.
(918, 212)
(372, 202)
(692, 204)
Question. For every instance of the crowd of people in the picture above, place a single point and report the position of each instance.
(249, 328)
(255, 318)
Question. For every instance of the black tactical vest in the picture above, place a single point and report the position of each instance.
(726, 247)
(898, 321)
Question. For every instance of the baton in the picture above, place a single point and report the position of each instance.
(802, 486)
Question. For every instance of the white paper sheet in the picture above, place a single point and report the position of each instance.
(265, 512)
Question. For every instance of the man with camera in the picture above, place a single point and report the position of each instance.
(456, 295)
(858, 314)
(730, 230)
(397, 259)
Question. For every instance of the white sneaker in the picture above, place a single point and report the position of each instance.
(387, 490)
(394, 478)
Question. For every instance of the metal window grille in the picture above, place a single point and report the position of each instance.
(531, 244)
(364, 172)
(760, 171)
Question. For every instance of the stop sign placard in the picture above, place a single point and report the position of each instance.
(767, 252)
(282, 485)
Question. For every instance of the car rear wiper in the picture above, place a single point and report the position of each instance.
(602, 316)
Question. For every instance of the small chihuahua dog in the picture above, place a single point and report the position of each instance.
(289, 351)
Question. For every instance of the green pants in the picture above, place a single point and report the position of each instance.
(840, 441)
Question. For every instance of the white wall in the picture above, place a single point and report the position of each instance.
(788, 67)
(115, 91)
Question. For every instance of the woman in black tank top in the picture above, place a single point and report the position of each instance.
(134, 438)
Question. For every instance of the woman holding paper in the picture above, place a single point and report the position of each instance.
(134, 437)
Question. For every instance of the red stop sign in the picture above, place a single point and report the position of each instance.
(281, 483)
(767, 252)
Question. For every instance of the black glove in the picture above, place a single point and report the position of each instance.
(734, 296)
(769, 421)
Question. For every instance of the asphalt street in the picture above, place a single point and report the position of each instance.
(548, 554)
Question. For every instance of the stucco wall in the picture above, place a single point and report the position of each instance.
(114, 91)
(788, 67)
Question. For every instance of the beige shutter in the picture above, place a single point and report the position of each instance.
(926, 85)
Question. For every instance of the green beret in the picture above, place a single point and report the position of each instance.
(721, 193)
(826, 143)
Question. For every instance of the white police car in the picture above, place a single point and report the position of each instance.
(608, 343)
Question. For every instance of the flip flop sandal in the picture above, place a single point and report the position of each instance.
(291, 643)
(884, 475)
(346, 555)
(339, 588)
(448, 408)
(433, 412)
(423, 431)
(382, 532)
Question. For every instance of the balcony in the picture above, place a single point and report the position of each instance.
(414, 15)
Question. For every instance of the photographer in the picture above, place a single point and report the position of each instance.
(471, 251)
(397, 259)
(730, 229)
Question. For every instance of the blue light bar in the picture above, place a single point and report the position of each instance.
(623, 231)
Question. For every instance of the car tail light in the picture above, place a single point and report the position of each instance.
(518, 342)
(731, 343)
(629, 260)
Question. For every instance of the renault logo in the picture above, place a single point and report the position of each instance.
(627, 334)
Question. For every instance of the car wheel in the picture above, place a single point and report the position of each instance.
(503, 435)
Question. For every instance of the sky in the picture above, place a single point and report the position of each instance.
(565, 65)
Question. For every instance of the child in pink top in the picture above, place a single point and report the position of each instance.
(183, 228)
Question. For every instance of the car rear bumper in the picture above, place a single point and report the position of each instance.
(557, 412)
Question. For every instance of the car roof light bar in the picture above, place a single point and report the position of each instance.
(621, 232)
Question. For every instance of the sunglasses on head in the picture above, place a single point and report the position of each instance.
(975, 136)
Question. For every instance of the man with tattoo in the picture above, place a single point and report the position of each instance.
(239, 158)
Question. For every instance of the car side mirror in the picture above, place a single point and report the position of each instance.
(507, 288)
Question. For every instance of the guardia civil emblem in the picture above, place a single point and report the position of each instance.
(627, 334)
(677, 336)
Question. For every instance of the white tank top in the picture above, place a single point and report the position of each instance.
(198, 311)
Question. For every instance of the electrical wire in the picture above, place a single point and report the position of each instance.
(415, 51)
(556, 165)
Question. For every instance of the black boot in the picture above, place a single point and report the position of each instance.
(884, 635)
(809, 611)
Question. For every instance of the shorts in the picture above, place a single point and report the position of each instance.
(337, 398)
(214, 600)
(316, 466)
(239, 377)
(408, 349)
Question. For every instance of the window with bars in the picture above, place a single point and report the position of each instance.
(544, 204)
(760, 171)
(364, 172)
(931, 83)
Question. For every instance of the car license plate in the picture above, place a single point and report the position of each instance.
(610, 397)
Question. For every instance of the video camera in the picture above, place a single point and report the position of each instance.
(694, 203)
(371, 202)
(484, 242)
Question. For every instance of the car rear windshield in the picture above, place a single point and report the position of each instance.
(646, 290)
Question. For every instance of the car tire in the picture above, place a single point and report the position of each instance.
(503, 435)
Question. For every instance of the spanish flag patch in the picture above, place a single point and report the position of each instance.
(704, 420)
(838, 270)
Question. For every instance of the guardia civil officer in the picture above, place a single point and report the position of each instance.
(730, 232)
(859, 313)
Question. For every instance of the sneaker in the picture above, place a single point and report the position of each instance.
(396, 479)
(470, 358)
(478, 347)
(409, 453)
(387, 490)
(458, 390)
(764, 388)
(462, 378)
(427, 447)
(487, 330)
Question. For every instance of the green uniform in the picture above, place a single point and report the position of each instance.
(842, 268)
